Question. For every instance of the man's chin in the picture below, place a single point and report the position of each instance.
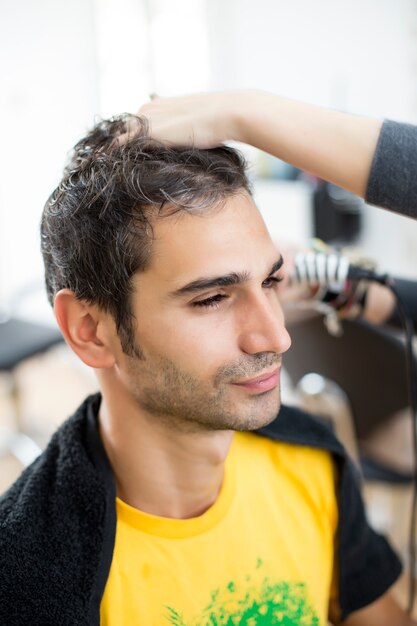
(259, 418)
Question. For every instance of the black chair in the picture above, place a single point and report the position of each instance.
(21, 340)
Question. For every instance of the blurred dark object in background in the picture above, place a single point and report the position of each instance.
(21, 340)
(337, 214)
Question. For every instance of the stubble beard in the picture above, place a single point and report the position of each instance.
(184, 403)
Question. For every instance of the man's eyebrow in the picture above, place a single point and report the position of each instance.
(277, 266)
(234, 278)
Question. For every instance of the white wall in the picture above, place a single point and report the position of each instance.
(356, 55)
(49, 90)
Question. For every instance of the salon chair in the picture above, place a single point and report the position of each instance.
(366, 362)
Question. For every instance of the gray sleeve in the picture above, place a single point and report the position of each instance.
(392, 182)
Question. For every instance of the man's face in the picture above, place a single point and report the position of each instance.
(209, 322)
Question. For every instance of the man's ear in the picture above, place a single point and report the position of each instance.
(86, 329)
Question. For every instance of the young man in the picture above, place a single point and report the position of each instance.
(177, 496)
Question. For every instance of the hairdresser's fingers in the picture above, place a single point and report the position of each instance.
(182, 121)
(202, 120)
(132, 127)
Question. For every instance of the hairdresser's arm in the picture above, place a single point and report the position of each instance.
(380, 304)
(334, 146)
(383, 612)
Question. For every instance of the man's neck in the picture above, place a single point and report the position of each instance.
(159, 468)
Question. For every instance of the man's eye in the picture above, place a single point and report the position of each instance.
(272, 281)
(213, 301)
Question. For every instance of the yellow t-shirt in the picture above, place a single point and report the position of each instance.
(261, 555)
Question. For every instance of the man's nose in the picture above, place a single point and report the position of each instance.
(262, 326)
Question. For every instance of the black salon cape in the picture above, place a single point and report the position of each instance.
(58, 523)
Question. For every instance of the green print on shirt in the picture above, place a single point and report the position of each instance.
(264, 604)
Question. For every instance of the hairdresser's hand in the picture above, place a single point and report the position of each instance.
(300, 287)
(201, 120)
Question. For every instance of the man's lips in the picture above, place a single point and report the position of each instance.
(263, 382)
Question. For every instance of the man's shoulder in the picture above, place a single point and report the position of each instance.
(295, 426)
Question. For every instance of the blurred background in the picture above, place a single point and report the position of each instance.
(64, 64)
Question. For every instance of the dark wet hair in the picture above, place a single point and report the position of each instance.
(96, 231)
